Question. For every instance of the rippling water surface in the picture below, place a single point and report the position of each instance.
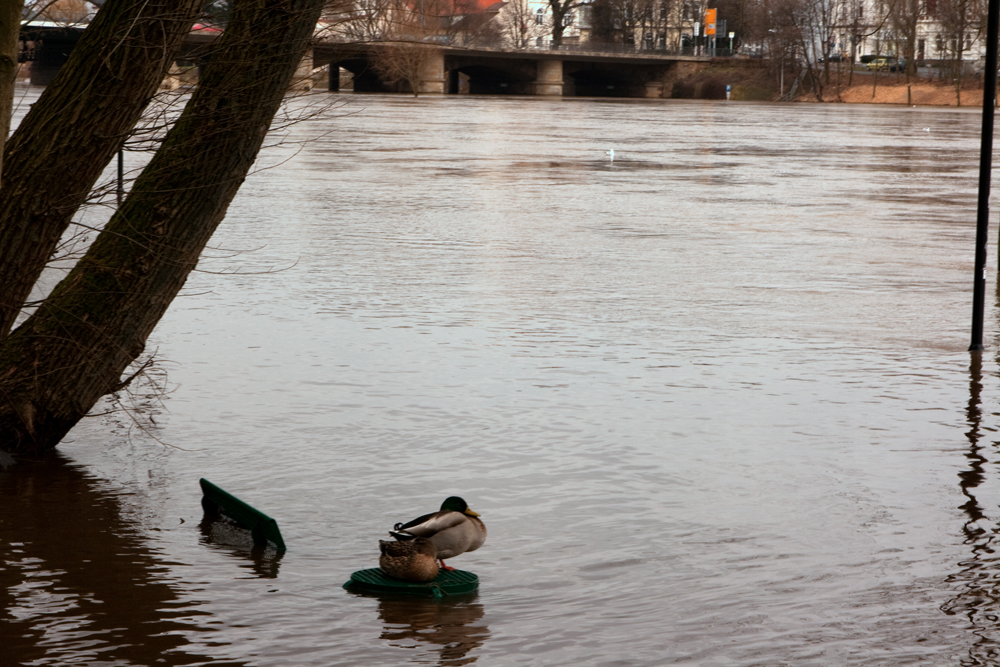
(712, 399)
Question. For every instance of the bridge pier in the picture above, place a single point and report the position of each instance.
(549, 78)
(654, 89)
(432, 74)
(303, 73)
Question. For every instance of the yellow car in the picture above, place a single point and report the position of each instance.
(880, 63)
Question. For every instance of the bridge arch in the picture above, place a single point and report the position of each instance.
(591, 81)
(366, 79)
(487, 80)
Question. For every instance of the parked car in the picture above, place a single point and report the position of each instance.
(979, 68)
(898, 66)
(880, 63)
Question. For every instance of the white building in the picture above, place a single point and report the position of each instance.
(944, 31)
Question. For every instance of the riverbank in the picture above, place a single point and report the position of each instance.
(865, 89)
(752, 81)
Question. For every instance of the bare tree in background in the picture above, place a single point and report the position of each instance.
(404, 62)
(962, 25)
(561, 10)
(367, 20)
(60, 11)
(904, 16)
(602, 22)
(467, 25)
(453, 22)
(815, 21)
(782, 40)
(519, 24)
(859, 26)
(643, 24)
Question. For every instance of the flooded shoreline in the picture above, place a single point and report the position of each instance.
(712, 399)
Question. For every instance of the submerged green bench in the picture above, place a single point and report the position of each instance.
(448, 582)
(216, 501)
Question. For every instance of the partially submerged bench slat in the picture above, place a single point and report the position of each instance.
(263, 527)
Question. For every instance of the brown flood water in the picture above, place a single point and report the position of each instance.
(712, 400)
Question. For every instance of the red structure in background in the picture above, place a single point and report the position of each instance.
(451, 7)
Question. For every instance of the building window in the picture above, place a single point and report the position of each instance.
(540, 17)
(568, 19)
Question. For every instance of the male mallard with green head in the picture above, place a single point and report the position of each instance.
(453, 530)
(415, 560)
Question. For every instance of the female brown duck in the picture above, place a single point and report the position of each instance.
(414, 560)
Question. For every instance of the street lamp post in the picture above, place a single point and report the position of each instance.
(985, 165)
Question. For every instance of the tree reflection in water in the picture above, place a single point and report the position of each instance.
(451, 626)
(78, 582)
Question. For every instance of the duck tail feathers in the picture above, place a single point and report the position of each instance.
(401, 535)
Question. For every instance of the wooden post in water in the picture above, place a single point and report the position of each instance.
(985, 165)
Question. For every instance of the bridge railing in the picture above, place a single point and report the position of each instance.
(598, 48)
(637, 49)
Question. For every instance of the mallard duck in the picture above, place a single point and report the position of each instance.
(453, 530)
(415, 560)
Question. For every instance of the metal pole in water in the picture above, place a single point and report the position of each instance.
(121, 176)
(985, 165)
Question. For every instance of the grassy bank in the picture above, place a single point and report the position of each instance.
(755, 80)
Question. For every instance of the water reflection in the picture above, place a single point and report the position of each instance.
(453, 628)
(979, 596)
(712, 364)
(80, 584)
(237, 542)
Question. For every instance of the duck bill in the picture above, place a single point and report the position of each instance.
(471, 513)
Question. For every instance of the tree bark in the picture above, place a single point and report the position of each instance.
(78, 124)
(76, 346)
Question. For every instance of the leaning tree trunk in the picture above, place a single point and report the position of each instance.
(81, 120)
(10, 25)
(76, 346)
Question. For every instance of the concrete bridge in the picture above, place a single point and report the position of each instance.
(442, 69)
(47, 47)
(446, 69)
